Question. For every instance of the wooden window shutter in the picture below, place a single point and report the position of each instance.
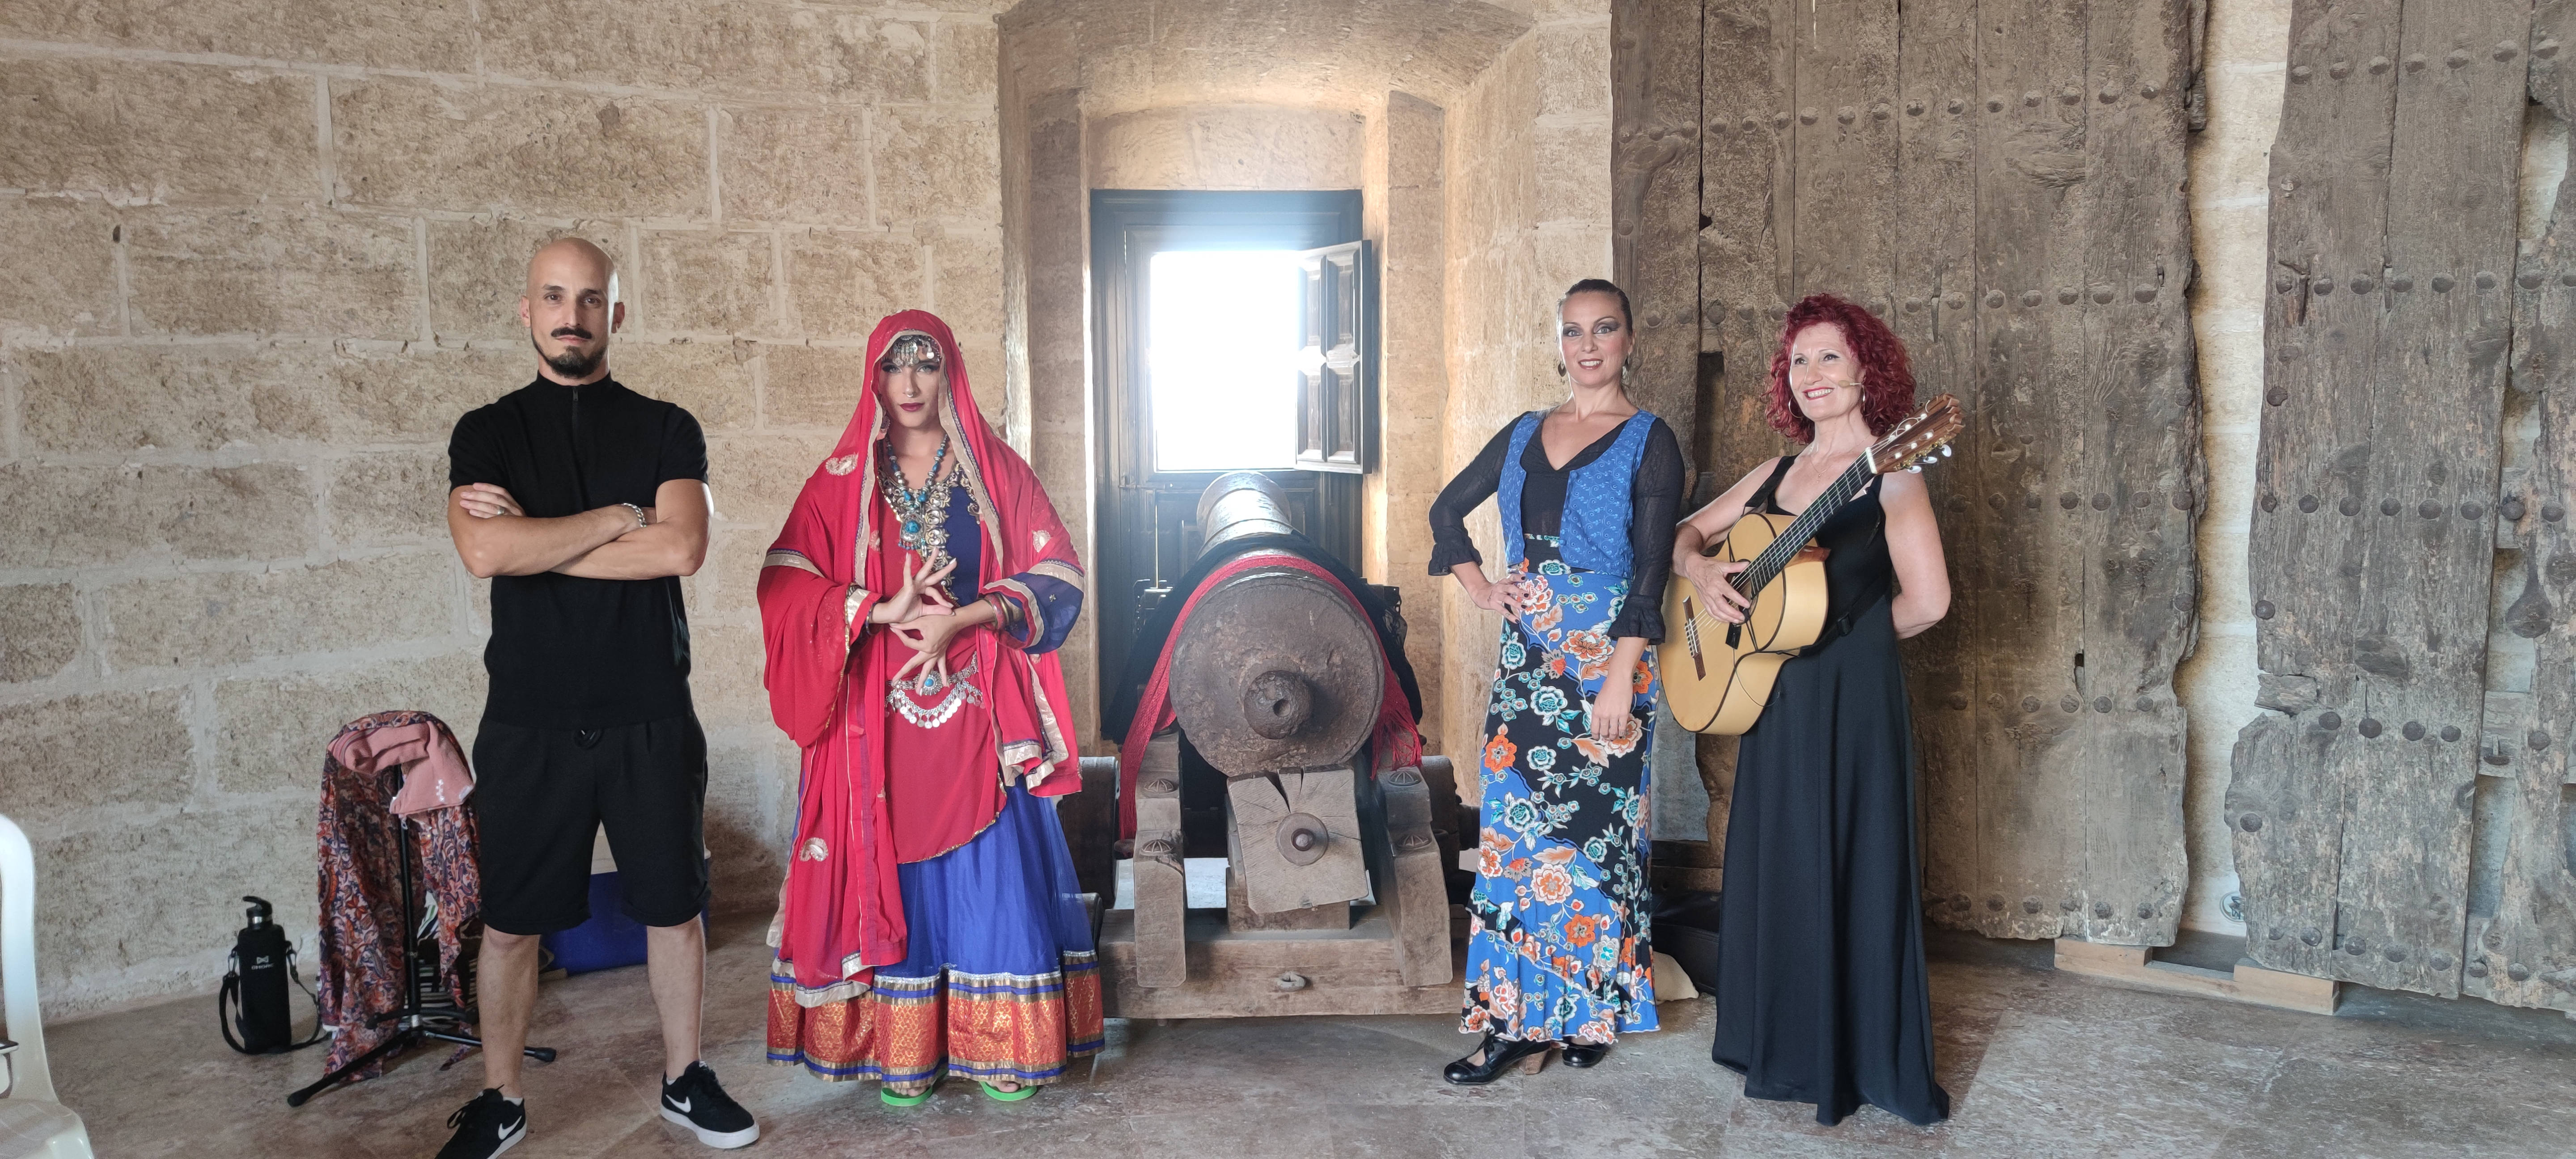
(1336, 371)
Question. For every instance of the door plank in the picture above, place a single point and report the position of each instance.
(1936, 315)
(2140, 448)
(1655, 178)
(2030, 168)
(2521, 947)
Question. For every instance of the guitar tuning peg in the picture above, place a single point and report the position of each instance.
(1945, 450)
(1916, 468)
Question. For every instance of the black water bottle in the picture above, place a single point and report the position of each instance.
(255, 987)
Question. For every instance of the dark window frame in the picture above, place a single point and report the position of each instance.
(1131, 498)
(1128, 226)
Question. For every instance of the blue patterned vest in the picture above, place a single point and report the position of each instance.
(1594, 532)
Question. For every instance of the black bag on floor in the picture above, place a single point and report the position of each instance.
(1686, 928)
(253, 999)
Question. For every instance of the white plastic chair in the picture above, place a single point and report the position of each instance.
(33, 1125)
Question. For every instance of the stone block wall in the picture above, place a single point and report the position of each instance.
(1406, 215)
(2244, 68)
(260, 257)
(1227, 147)
(1527, 173)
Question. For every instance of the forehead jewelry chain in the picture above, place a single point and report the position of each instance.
(921, 516)
(909, 351)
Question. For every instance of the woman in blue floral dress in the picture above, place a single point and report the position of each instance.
(1558, 952)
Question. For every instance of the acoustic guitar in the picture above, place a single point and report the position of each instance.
(1717, 675)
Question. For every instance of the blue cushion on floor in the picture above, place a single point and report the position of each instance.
(608, 940)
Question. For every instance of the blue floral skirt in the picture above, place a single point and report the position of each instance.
(1558, 946)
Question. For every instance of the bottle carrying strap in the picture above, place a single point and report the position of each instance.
(229, 995)
(320, 1031)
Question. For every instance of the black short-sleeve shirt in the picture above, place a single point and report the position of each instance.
(569, 652)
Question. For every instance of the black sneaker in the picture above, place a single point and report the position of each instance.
(485, 1127)
(695, 1101)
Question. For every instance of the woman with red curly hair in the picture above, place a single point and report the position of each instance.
(1821, 995)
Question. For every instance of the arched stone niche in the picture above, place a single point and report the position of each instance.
(1479, 136)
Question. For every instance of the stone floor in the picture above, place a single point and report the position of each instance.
(2037, 1063)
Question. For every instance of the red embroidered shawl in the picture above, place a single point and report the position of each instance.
(841, 911)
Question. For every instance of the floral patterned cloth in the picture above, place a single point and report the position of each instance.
(359, 973)
(1558, 948)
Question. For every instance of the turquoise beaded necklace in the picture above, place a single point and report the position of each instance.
(922, 516)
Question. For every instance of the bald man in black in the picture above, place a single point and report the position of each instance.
(584, 503)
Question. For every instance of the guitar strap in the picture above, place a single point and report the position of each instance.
(1871, 591)
(1770, 488)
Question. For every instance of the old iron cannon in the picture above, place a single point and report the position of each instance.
(1336, 899)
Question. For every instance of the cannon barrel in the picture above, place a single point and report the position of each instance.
(1275, 669)
(1237, 504)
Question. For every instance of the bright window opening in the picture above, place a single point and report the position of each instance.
(1221, 357)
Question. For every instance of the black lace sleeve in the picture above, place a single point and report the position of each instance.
(1654, 506)
(1450, 545)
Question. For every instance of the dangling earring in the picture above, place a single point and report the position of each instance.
(1560, 370)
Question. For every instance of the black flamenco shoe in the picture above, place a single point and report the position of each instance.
(1500, 1055)
(1584, 1054)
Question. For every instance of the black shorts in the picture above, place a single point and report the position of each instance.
(539, 796)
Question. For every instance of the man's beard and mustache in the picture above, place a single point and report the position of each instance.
(571, 363)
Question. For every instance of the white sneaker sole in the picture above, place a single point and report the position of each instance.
(720, 1140)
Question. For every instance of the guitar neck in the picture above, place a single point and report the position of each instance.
(1775, 558)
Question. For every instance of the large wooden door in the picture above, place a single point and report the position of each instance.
(2002, 181)
(2384, 520)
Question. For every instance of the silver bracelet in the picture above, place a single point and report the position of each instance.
(639, 513)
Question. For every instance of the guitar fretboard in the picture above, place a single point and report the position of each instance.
(1774, 559)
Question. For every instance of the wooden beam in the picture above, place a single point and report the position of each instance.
(2250, 983)
(1409, 882)
(1159, 956)
(1090, 820)
(1257, 975)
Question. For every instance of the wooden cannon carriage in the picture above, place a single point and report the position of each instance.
(1335, 890)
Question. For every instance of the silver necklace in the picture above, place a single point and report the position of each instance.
(921, 516)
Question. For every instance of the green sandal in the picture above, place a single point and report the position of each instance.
(894, 1100)
(1001, 1096)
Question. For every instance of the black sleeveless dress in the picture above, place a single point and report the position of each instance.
(1821, 996)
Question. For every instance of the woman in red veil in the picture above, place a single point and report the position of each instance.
(930, 923)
